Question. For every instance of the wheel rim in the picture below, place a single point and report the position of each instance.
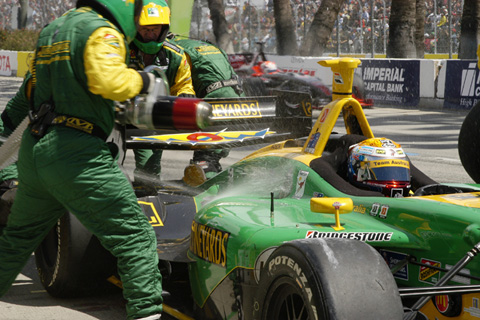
(286, 302)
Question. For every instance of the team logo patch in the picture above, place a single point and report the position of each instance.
(111, 40)
(153, 12)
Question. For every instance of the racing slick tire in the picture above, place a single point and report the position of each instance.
(71, 262)
(469, 145)
(327, 279)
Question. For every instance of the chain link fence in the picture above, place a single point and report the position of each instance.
(361, 27)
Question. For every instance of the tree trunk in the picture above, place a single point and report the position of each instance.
(469, 30)
(285, 28)
(420, 28)
(220, 26)
(321, 28)
(401, 42)
(22, 14)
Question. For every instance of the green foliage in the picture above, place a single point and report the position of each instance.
(18, 40)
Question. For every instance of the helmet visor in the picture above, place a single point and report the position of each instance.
(389, 170)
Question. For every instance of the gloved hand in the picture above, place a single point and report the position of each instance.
(186, 95)
(148, 82)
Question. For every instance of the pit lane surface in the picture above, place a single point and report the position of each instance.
(428, 136)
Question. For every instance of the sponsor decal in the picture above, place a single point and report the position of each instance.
(360, 208)
(318, 194)
(308, 72)
(459, 278)
(312, 143)
(361, 236)
(375, 209)
(474, 310)
(153, 12)
(392, 259)
(152, 214)
(245, 109)
(113, 41)
(429, 275)
(206, 137)
(366, 150)
(324, 115)
(209, 244)
(442, 303)
(383, 212)
(172, 46)
(337, 77)
(389, 163)
(301, 180)
(207, 50)
(379, 209)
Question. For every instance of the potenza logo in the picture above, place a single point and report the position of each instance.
(361, 236)
(297, 269)
(470, 82)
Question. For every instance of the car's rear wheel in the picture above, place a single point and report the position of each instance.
(71, 262)
(327, 279)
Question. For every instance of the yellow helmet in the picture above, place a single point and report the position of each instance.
(155, 12)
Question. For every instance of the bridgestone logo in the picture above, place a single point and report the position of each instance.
(361, 236)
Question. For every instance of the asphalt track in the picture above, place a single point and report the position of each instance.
(429, 136)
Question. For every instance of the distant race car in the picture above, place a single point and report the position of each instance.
(284, 234)
(261, 77)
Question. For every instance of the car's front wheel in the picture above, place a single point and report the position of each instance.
(327, 279)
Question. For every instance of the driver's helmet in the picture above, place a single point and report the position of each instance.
(268, 67)
(379, 164)
(156, 12)
(123, 14)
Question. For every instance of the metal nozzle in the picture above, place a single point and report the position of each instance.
(204, 114)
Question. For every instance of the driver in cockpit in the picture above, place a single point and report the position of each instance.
(379, 164)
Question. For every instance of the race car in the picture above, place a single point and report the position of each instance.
(261, 77)
(285, 234)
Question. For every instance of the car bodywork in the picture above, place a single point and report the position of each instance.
(222, 234)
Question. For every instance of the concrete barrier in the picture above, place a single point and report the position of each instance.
(434, 83)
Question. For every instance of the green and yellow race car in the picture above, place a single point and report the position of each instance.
(329, 226)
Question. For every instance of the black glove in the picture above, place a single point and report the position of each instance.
(186, 95)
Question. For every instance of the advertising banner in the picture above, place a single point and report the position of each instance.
(462, 84)
(392, 81)
(8, 63)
